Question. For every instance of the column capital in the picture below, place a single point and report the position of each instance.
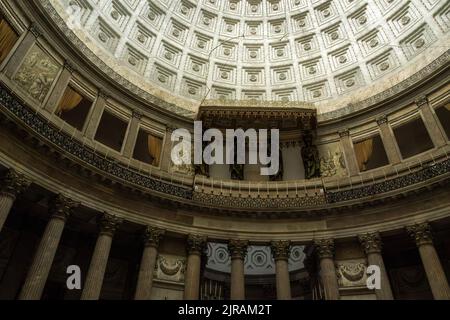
(152, 236)
(170, 128)
(102, 94)
(137, 114)
(371, 242)
(108, 223)
(420, 233)
(344, 133)
(421, 101)
(280, 249)
(13, 183)
(238, 249)
(195, 244)
(382, 119)
(61, 206)
(324, 248)
(34, 29)
(69, 66)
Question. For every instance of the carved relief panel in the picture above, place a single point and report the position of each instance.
(170, 268)
(332, 161)
(37, 73)
(351, 273)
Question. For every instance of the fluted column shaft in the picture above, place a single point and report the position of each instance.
(437, 280)
(42, 262)
(12, 184)
(195, 247)
(94, 279)
(145, 278)
(325, 253)
(280, 252)
(372, 246)
(238, 251)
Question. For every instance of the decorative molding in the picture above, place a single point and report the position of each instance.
(103, 94)
(152, 236)
(371, 242)
(137, 114)
(420, 233)
(61, 207)
(344, 133)
(69, 66)
(238, 249)
(280, 249)
(324, 248)
(195, 244)
(35, 30)
(108, 223)
(13, 183)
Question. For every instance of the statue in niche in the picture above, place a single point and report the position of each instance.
(311, 158)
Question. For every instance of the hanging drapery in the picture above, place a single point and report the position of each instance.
(155, 148)
(8, 39)
(363, 151)
(69, 101)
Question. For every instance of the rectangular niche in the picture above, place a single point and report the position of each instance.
(443, 114)
(8, 38)
(148, 148)
(74, 108)
(412, 138)
(111, 131)
(370, 153)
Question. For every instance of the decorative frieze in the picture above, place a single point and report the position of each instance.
(280, 249)
(420, 233)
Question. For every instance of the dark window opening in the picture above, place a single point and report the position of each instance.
(111, 131)
(8, 38)
(370, 153)
(148, 148)
(413, 138)
(74, 108)
(443, 114)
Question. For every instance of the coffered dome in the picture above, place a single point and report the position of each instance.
(330, 52)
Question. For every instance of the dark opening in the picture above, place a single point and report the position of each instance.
(370, 153)
(111, 131)
(413, 138)
(74, 108)
(443, 114)
(148, 148)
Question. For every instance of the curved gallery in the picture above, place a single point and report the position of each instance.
(91, 92)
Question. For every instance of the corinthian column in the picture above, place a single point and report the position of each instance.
(152, 237)
(280, 252)
(325, 253)
(371, 243)
(421, 234)
(12, 184)
(195, 247)
(238, 251)
(33, 287)
(94, 279)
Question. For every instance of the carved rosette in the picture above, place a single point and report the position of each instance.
(152, 236)
(281, 250)
(420, 233)
(108, 224)
(324, 248)
(238, 249)
(421, 101)
(13, 183)
(371, 242)
(195, 244)
(61, 207)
